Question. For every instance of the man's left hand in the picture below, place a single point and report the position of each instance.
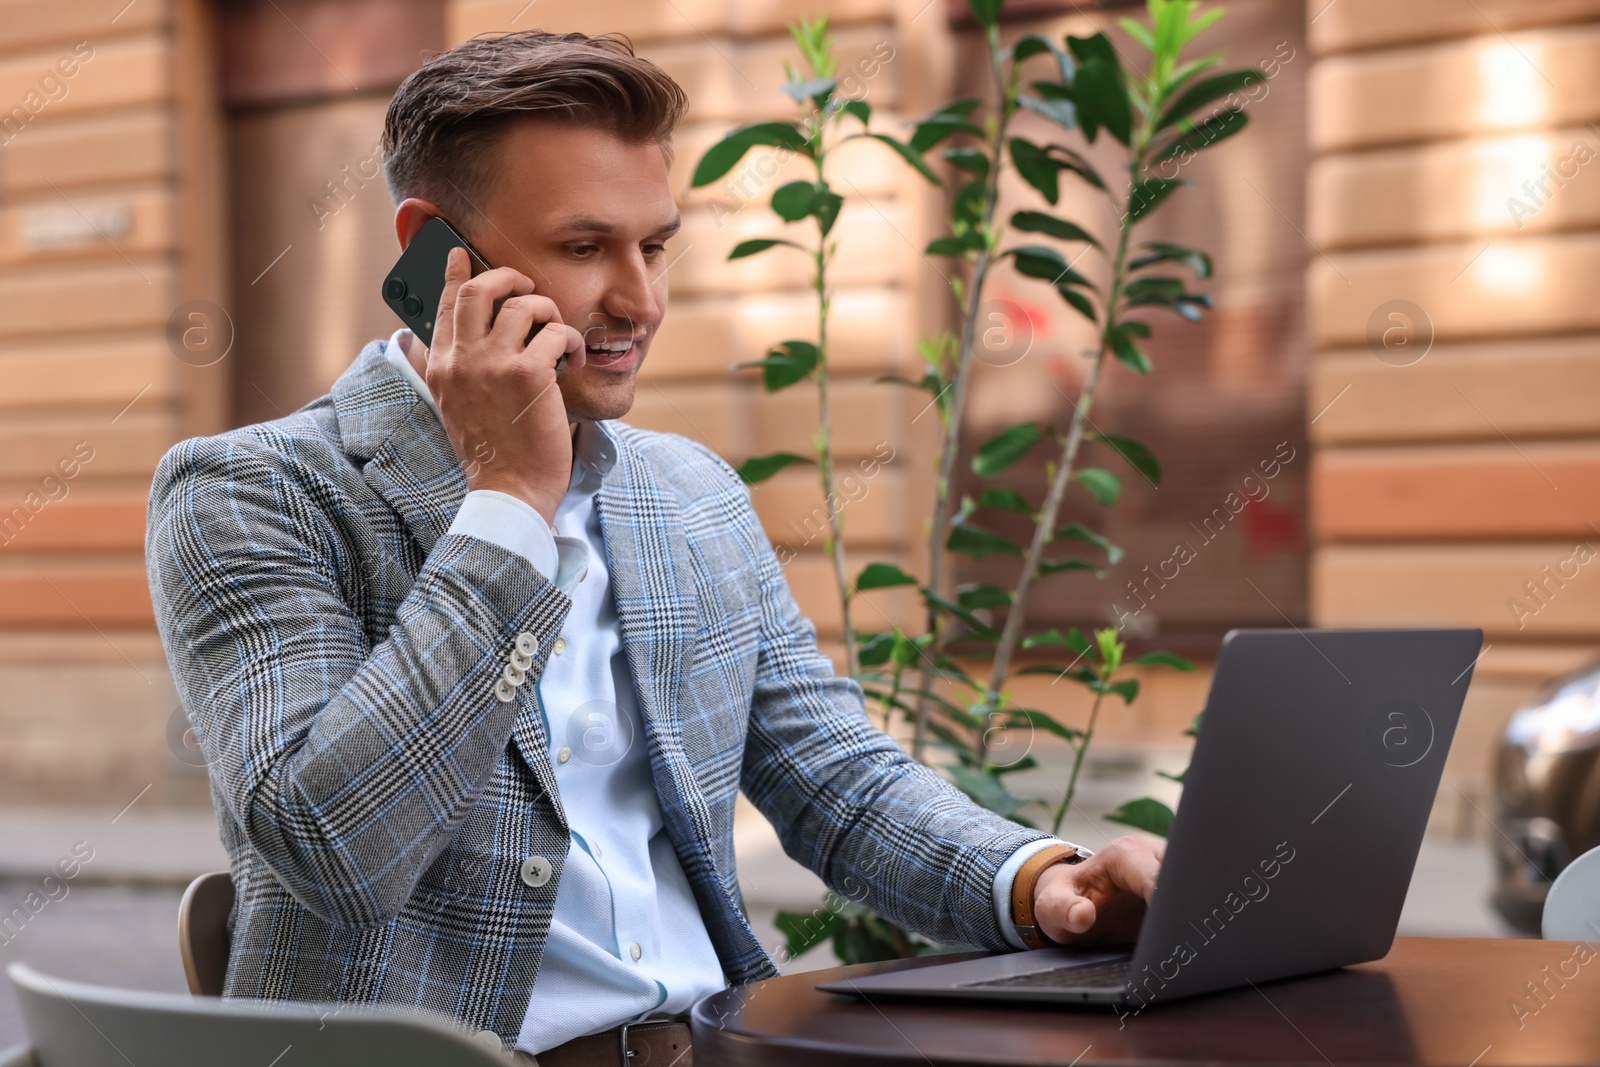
(1102, 899)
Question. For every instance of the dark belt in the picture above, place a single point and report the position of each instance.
(661, 1041)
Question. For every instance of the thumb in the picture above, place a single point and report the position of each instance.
(1064, 913)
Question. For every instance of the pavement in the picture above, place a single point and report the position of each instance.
(115, 924)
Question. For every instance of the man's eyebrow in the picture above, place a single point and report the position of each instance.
(589, 224)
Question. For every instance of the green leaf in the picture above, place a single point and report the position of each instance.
(1004, 499)
(790, 362)
(1139, 457)
(1057, 566)
(1063, 113)
(1067, 159)
(873, 649)
(882, 576)
(760, 468)
(1104, 486)
(1036, 168)
(1209, 89)
(1167, 252)
(721, 157)
(1042, 721)
(1102, 99)
(975, 541)
(1194, 727)
(974, 161)
(1146, 814)
(1038, 261)
(759, 244)
(792, 200)
(1164, 659)
(1039, 222)
(1127, 689)
(1002, 451)
(948, 246)
(909, 155)
(1078, 532)
(986, 13)
(1080, 302)
(804, 932)
(1217, 128)
(860, 109)
(1129, 353)
(1147, 195)
(826, 209)
(929, 132)
(1139, 32)
(1073, 640)
(973, 597)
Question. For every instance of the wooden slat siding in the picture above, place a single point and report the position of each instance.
(702, 337)
(1438, 91)
(104, 372)
(130, 448)
(85, 520)
(151, 211)
(1456, 190)
(1355, 25)
(70, 594)
(124, 72)
(1458, 585)
(92, 150)
(1466, 492)
(70, 299)
(31, 24)
(780, 422)
(1518, 287)
(872, 509)
(1527, 388)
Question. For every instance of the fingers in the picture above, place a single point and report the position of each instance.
(473, 309)
(456, 271)
(1135, 865)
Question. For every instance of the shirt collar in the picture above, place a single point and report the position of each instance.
(594, 449)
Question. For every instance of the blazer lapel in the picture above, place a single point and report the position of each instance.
(412, 466)
(653, 583)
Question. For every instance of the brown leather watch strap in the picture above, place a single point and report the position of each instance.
(1022, 891)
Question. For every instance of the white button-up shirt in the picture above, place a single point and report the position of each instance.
(627, 938)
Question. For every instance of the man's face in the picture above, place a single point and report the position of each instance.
(586, 216)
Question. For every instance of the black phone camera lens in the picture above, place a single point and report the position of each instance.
(395, 288)
(412, 305)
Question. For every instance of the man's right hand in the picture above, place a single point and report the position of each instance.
(498, 398)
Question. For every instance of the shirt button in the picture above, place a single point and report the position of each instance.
(636, 950)
(513, 675)
(564, 755)
(560, 646)
(536, 871)
(504, 691)
(527, 644)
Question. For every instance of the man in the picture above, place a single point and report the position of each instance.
(479, 671)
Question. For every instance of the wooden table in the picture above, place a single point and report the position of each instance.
(1453, 1002)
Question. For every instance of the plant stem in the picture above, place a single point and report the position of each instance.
(1077, 764)
(951, 441)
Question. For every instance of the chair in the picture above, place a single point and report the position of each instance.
(203, 932)
(1572, 907)
(76, 1025)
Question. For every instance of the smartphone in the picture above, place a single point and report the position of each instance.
(416, 281)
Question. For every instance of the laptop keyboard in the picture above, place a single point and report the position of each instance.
(1112, 974)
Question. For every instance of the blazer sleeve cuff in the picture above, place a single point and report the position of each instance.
(515, 526)
(1005, 877)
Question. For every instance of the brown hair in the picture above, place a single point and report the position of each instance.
(446, 116)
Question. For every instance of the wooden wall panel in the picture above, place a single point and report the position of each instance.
(1440, 493)
(1536, 79)
(1527, 388)
(32, 24)
(1354, 25)
(125, 146)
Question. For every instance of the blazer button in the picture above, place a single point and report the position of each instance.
(527, 643)
(504, 691)
(488, 1039)
(513, 675)
(536, 871)
(521, 662)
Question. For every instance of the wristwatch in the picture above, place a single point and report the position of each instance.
(1028, 877)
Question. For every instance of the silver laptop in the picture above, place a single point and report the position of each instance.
(1292, 848)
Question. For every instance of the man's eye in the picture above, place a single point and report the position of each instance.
(655, 249)
(582, 250)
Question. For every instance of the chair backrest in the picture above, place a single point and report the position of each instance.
(92, 1026)
(1572, 906)
(203, 932)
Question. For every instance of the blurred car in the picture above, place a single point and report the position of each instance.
(1547, 784)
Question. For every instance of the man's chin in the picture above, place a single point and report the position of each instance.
(595, 404)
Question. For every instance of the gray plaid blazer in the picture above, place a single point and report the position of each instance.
(336, 652)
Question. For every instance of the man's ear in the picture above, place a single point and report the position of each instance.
(410, 216)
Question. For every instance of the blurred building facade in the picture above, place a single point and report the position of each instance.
(193, 226)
